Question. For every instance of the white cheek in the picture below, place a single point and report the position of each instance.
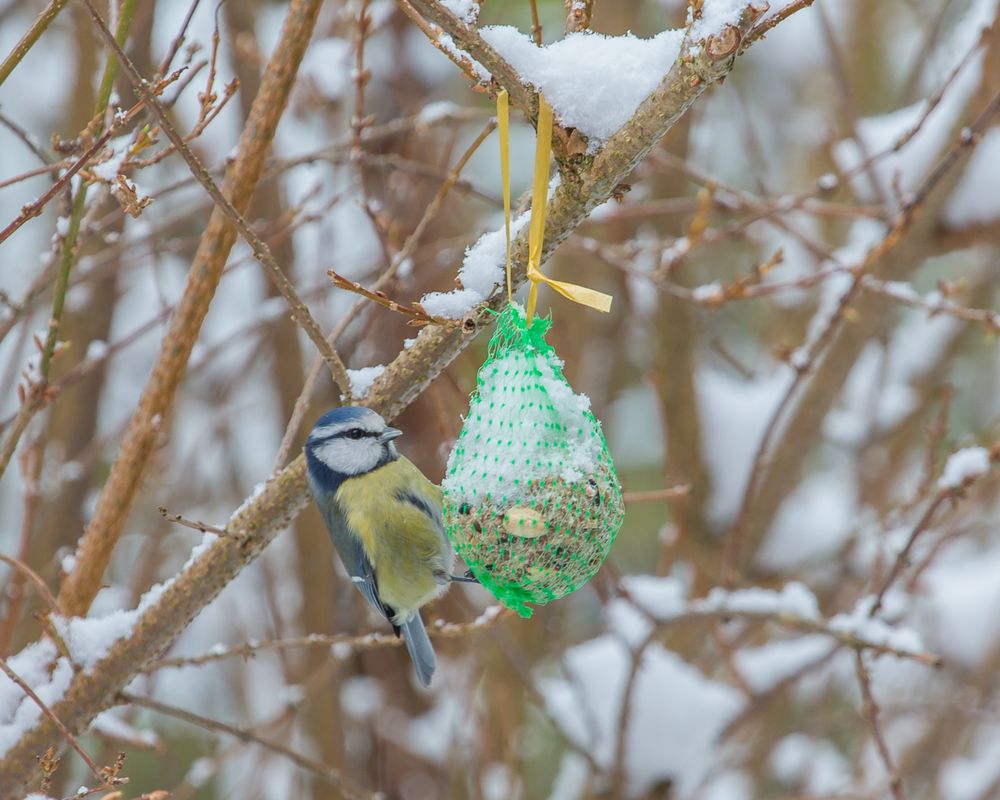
(349, 456)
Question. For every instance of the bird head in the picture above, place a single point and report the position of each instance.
(351, 440)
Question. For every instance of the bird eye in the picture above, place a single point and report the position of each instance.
(356, 433)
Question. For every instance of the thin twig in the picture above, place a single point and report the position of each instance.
(35, 578)
(415, 312)
(987, 318)
(70, 738)
(195, 525)
(696, 611)
(300, 313)
(34, 33)
(247, 734)
(159, 394)
(35, 208)
(909, 210)
(619, 774)
(775, 19)
(536, 26)
(29, 142)
(32, 173)
(870, 712)
(432, 210)
(204, 120)
(578, 14)
(178, 39)
(345, 642)
(944, 495)
(669, 493)
(37, 393)
(761, 698)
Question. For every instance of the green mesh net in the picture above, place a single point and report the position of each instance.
(531, 499)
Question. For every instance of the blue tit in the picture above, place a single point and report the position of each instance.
(384, 517)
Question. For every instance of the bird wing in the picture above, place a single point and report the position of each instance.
(429, 509)
(355, 559)
(418, 491)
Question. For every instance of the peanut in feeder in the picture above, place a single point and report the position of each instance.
(531, 499)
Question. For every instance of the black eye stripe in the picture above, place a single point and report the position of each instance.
(351, 433)
(354, 433)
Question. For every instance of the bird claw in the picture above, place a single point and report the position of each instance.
(468, 577)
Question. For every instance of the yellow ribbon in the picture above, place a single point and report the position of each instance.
(539, 203)
(536, 230)
(503, 123)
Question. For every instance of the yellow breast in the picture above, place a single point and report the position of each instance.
(408, 551)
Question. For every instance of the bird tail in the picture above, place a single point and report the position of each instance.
(421, 650)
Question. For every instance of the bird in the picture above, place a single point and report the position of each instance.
(384, 517)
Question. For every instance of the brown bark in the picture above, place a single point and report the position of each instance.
(157, 398)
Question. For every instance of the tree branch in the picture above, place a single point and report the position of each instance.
(206, 270)
(246, 734)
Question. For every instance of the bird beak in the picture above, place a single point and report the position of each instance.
(389, 434)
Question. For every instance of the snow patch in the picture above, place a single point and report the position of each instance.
(813, 522)
(766, 666)
(859, 624)
(650, 598)
(958, 610)
(465, 10)
(41, 668)
(90, 639)
(794, 598)
(468, 482)
(327, 62)
(435, 112)
(593, 82)
(361, 696)
(110, 724)
(362, 379)
(715, 15)
(709, 292)
(976, 200)
(964, 465)
(816, 766)
(109, 170)
(972, 776)
(483, 270)
(676, 713)
(448, 45)
(97, 350)
(734, 413)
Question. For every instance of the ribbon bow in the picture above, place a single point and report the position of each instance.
(539, 202)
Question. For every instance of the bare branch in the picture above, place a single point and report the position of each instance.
(870, 711)
(368, 641)
(578, 14)
(67, 735)
(157, 398)
(246, 734)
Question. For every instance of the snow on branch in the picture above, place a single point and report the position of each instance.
(793, 606)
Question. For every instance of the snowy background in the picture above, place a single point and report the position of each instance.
(802, 602)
